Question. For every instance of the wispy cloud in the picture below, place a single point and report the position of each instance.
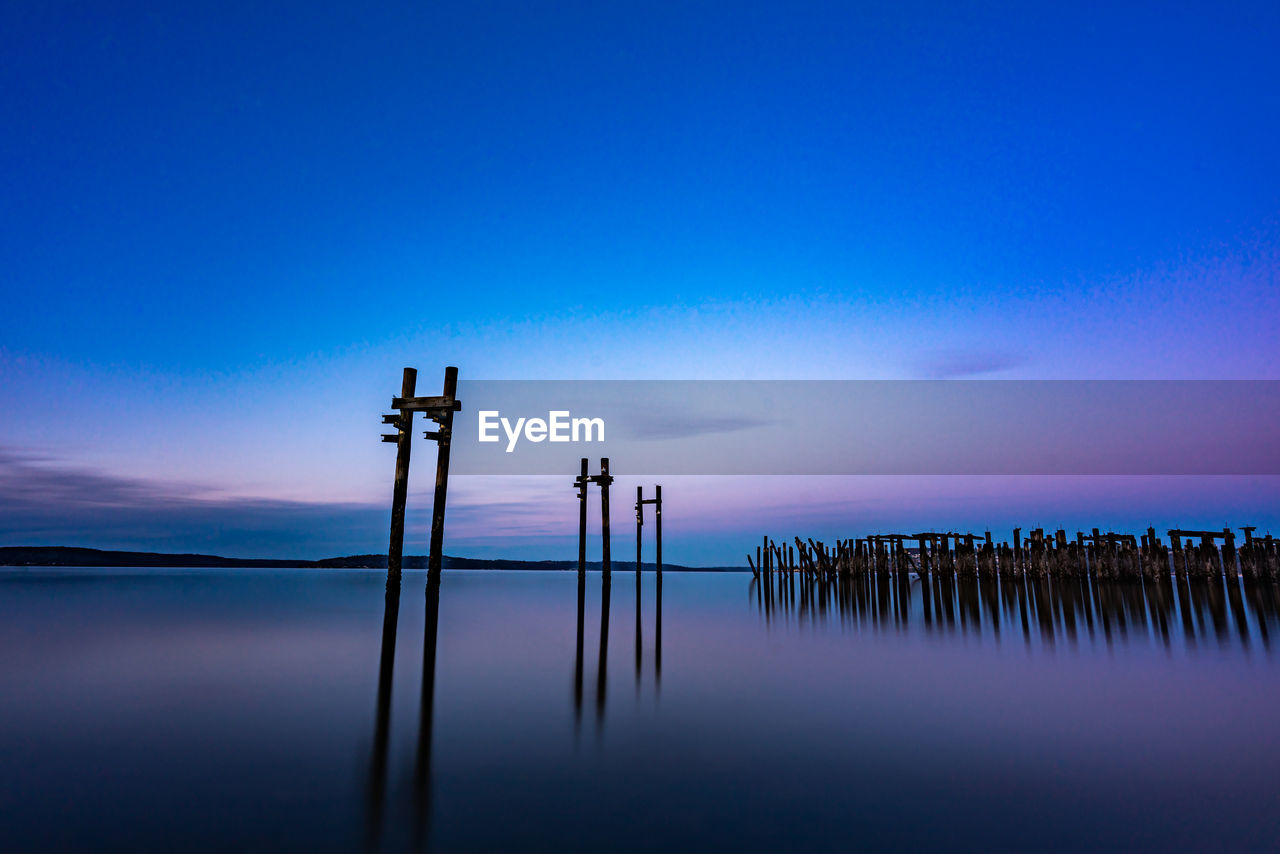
(680, 425)
(45, 502)
(958, 363)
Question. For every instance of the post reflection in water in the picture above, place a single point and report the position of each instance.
(377, 787)
(1044, 611)
(426, 709)
(602, 663)
(602, 672)
(381, 730)
(577, 666)
(639, 645)
(657, 633)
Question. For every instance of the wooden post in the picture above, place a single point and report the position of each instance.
(582, 482)
(639, 525)
(1229, 553)
(658, 519)
(443, 440)
(605, 480)
(404, 445)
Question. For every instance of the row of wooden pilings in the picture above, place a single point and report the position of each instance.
(1108, 556)
(1230, 610)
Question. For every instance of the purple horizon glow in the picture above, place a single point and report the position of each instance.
(707, 520)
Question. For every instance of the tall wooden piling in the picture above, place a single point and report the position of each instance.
(604, 480)
(582, 481)
(403, 438)
(639, 525)
(657, 520)
(444, 437)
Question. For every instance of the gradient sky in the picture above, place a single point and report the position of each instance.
(227, 227)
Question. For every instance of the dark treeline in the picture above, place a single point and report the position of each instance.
(68, 556)
(1050, 585)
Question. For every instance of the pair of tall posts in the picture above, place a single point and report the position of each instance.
(580, 483)
(439, 409)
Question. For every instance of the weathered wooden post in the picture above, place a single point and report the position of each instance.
(1229, 554)
(443, 436)
(657, 515)
(639, 525)
(603, 479)
(440, 410)
(403, 437)
(581, 483)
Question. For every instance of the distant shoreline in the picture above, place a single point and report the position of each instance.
(53, 556)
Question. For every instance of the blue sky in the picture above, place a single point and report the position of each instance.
(226, 227)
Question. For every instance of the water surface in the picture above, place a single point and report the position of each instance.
(162, 710)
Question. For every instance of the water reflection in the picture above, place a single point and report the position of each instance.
(577, 666)
(426, 716)
(602, 658)
(1045, 611)
(382, 726)
(602, 673)
(377, 785)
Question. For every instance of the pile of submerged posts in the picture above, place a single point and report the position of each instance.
(1103, 557)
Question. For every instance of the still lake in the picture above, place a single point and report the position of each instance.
(237, 710)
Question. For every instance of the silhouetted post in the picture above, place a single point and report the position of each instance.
(443, 439)
(639, 525)
(1229, 553)
(581, 482)
(403, 437)
(657, 513)
(604, 480)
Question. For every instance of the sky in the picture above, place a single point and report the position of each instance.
(227, 227)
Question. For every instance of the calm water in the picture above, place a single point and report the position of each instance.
(173, 710)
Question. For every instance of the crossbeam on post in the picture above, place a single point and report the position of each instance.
(437, 403)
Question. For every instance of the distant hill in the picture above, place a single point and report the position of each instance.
(67, 556)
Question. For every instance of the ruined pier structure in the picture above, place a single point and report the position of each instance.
(1105, 557)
